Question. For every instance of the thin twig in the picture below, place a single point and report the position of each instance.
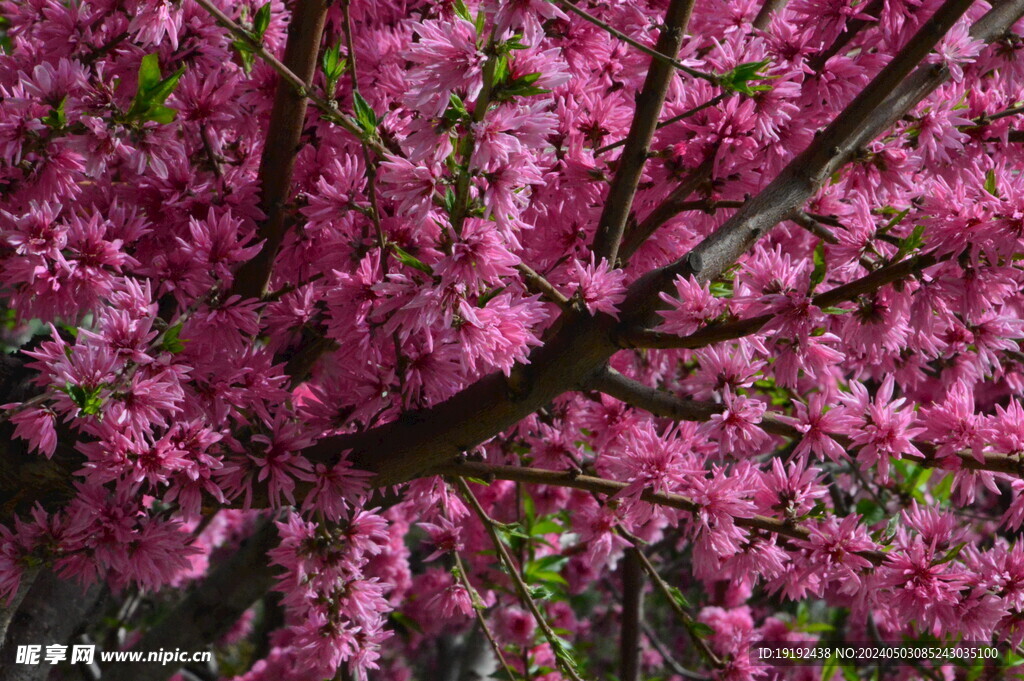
(541, 476)
(667, 209)
(688, 622)
(478, 609)
(521, 589)
(714, 101)
(716, 333)
(330, 110)
(536, 283)
(850, 31)
(664, 58)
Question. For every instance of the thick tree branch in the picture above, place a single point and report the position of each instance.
(52, 611)
(417, 441)
(619, 202)
(287, 121)
(888, 97)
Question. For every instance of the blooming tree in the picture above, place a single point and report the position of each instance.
(423, 338)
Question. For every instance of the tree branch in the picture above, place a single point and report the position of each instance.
(420, 440)
(539, 476)
(764, 15)
(632, 616)
(667, 209)
(667, 405)
(662, 403)
(52, 611)
(669, 60)
(522, 590)
(287, 121)
(853, 27)
(886, 98)
(714, 101)
(619, 202)
(716, 333)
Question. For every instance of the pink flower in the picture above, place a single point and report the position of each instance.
(599, 287)
(453, 600)
(879, 427)
(445, 537)
(446, 59)
(735, 427)
(37, 425)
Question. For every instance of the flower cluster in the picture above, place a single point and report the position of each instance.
(197, 334)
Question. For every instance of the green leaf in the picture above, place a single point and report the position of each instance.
(896, 219)
(365, 116)
(942, 491)
(171, 342)
(481, 22)
(457, 105)
(871, 511)
(462, 11)
(153, 91)
(529, 509)
(57, 119)
(501, 72)
(891, 527)
(820, 268)
(245, 53)
(678, 597)
(407, 258)
(911, 243)
(261, 22)
(738, 79)
(149, 73)
(406, 621)
(702, 630)
(721, 289)
(87, 399)
(990, 183)
(547, 526)
(449, 200)
(830, 668)
(951, 554)
(333, 66)
(545, 571)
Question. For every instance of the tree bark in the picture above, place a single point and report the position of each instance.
(51, 613)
